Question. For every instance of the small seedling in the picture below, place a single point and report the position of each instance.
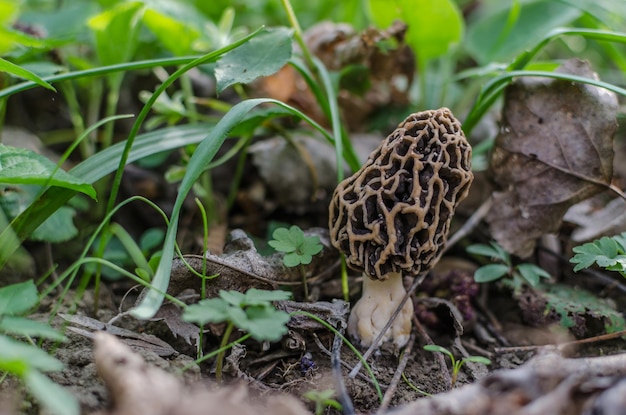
(521, 273)
(323, 399)
(298, 249)
(252, 312)
(23, 359)
(456, 364)
(608, 253)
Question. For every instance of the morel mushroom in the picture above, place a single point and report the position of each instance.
(391, 218)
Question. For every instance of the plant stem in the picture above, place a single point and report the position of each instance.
(219, 363)
(298, 33)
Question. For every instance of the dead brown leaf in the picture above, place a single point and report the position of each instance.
(555, 148)
(378, 70)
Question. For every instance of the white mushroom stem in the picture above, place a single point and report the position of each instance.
(370, 315)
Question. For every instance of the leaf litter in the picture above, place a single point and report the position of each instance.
(555, 149)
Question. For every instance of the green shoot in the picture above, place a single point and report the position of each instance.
(322, 399)
(298, 249)
(23, 359)
(456, 364)
(252, 312)
(520, 273)
(607, 253)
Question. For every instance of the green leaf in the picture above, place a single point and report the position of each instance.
(212, 310)
(263, 55)
(491, 272)
(33, 357)
(233, 297)
(254, 296)
(11, 68)
(238, 317)
(53, 397)
(293, 259)
(22, 166)
(477, 359)
(490, 251)
(282, 246)
(439, 349)
(312, 245)
(491, 37)
(532, 273)
(116, 30)
(18, 298)
(175, 35)
(266, 323)
(58, 227)
(21, 326)
(606, 252)
(433, 25)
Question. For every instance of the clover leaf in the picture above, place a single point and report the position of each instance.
(298, 249)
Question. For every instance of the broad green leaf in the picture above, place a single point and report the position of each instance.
(261, 56)
(33, 356)
(11, 68)
(266, 323)
(434, 26)
(22, 166)
(490, 39)
(53, 397)
(254, 296)
(233, 297)
(202, 156)
(9, 10)
(18, 298)
(238, 317)
(312, 245)
(116, 30)
(175, 35)
(488, 251)
(25, 327)
(293, 259)
(532, 273)
(212, 310)
(58, 227)
(491, 272)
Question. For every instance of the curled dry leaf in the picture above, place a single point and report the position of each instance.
(555, 149)
(377, 66)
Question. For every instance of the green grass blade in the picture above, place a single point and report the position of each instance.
(102, 70)
(604, 35)
(13, 69)
(203, 155)
(491, 91)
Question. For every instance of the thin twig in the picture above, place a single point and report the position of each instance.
(561, 346)
(393, 385)
(335, 360)
(376, 342)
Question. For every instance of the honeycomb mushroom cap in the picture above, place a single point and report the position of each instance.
(393, 215)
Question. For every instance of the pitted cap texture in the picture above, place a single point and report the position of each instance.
(393, 215)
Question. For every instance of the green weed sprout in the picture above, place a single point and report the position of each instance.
(456, 364)
(322, 399)
(252, 312)
(24, 360)
(607, 252)
(298, 249)
(520, 273)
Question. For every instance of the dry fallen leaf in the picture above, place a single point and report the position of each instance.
(555, 148)
(377, 71)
